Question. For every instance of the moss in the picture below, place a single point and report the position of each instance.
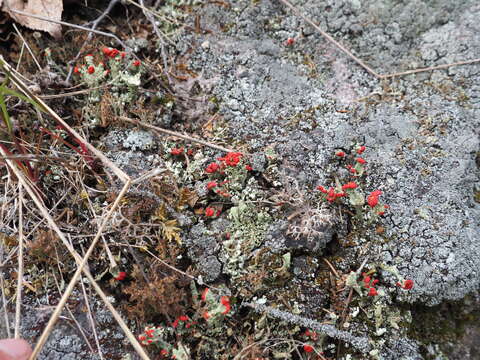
(443, 324)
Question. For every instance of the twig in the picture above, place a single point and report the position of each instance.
(72, 93)
(109, 8)
(72, 317)
(343, 316)
(61, 304)
(27, 46)
(350, 294)
(332, 40)
(360, 343)
(361, 63)
(18, 305)
(80, 27)
(173, 133)
(331, 267)
(145, 9)
(150, 18)
(90, 318)
(430, 68)
(220, 291)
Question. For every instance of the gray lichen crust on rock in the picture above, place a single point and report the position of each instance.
(422, 130)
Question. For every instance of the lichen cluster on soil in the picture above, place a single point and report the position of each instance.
(280, 253)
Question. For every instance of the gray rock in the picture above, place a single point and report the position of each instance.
(421, 144)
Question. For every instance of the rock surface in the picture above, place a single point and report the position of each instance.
(421, 130)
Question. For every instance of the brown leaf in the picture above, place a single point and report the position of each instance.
(51, 9)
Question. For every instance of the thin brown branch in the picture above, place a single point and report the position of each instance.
(80, 27)
(332, 40)
(28, 47)
(430, 68)
(174, 133)
(361, 63)
(61, 304)
(331, 267)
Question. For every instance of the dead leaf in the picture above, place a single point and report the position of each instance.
(51, 9)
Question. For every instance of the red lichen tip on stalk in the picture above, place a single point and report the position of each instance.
(361, 149)
(350, 185)
(121, 275)
(231, 159)
(307, 348)
(372, 292)
(360, 160)
(176, 151)
(248, 168)
(290, 41)
(372, 199)
(136, 63)
(211, 185)
(209, 212)
(212, 167)
(225, 302)
(113, 53)
(340, 154)
(351, 169)
(322, 189)
(204, 294)
(91, 69)
(407, 284)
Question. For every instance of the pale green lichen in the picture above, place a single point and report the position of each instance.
(247, 230)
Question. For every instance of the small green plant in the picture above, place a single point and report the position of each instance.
(24, 164)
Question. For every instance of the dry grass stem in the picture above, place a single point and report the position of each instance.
(76, 276)
(28, 47)
(18, 304)
(72, 25)
(174, 133)
(80, 261)
(72, 317)
(331, 268)
(4, 303)
(90, 318)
